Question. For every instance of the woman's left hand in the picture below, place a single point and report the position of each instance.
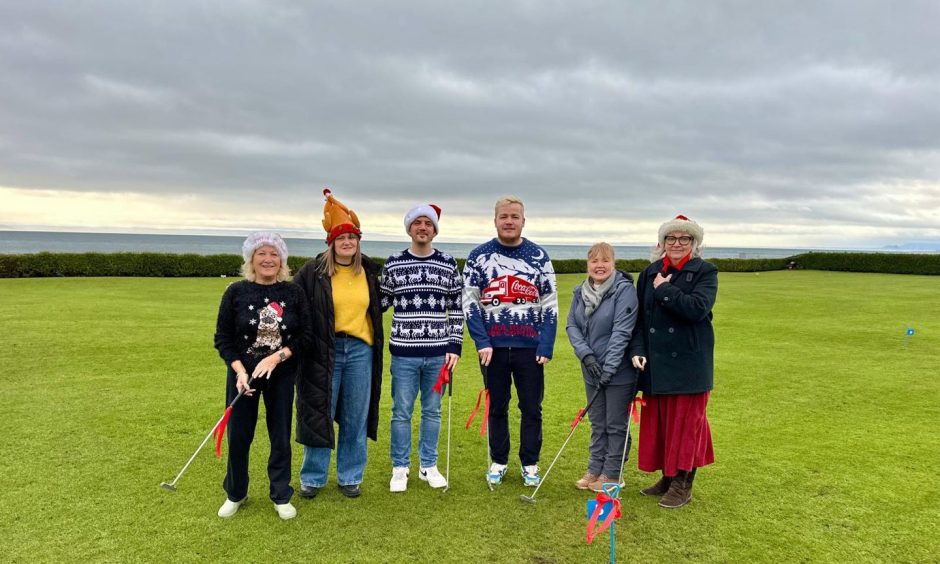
(266, 366)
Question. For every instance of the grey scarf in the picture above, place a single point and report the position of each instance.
(592, 295)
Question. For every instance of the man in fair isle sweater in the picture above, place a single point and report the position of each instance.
(511, 305)
(424, 287)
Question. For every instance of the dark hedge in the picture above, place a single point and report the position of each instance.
(192, 265)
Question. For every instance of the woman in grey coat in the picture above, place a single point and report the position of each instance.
(600, 324)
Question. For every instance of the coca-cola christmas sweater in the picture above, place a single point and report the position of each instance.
(510, 297)
(425, 293)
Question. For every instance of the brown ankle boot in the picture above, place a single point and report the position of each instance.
(585, 482)
(680, 491)
(597, 485)
(659, 488)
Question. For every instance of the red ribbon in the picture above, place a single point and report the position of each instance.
(635, 408)
(577, 418)
(443, 378)
(592, 529)
(483, 395)
(219, 431)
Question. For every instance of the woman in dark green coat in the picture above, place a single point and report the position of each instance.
(674, 347)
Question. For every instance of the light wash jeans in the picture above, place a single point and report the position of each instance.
(409, 374)
(352, 384)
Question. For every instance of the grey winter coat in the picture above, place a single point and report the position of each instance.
(606, 333)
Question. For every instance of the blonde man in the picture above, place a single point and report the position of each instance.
(511, 305)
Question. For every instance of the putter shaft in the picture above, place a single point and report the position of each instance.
(172, 485)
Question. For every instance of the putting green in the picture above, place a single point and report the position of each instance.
(824, 417)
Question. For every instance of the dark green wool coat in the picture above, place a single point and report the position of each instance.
(315, 381)
(674, 329)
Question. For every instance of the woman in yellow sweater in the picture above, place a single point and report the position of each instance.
(341, 374)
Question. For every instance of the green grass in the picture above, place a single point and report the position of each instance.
(824, 421)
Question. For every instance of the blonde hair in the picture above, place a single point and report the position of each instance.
(248, 269)
(601, 250)
(507, 200)
(328, 264)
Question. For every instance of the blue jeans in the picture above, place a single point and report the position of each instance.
(408, 375)
(352, 382)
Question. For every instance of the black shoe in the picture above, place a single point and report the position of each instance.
(352, 490)
(308, 492)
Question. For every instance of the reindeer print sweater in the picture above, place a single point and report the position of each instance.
(425, 293)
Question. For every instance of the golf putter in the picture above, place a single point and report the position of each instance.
(171, 486)
(623, 459)
(450, 395)
(574, 427)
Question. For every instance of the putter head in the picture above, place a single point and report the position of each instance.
(527, 499)
(168, 487)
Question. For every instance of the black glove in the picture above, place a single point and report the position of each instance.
(593, 369)
(604, 380)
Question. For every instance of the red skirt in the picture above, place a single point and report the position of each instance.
(674, 434)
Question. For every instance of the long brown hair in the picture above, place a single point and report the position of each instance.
(328, 262)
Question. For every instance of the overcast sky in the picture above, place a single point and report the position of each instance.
(778, 124)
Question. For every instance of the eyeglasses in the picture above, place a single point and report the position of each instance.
(671, 240)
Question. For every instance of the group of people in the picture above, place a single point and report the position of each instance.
(321, 337)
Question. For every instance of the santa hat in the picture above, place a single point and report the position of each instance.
(337, 218)
(683, 224)
(260, 239)
(429, 211)
(277, 309)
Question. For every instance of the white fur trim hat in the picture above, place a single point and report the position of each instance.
(429, 211)
(259, 239)
(684, 224)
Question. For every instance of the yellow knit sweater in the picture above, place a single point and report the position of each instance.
(351, 303)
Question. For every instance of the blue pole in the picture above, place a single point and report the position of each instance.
(612, 560)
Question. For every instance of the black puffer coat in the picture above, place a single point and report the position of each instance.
(314, 384)
(674, 329)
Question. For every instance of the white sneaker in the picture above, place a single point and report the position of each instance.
(230, 508)
(399, 481)
(530, 475)
(285, 510)
(433, 477)
(496, 473)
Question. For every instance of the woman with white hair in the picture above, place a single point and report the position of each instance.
(673, 347)
(263, 323)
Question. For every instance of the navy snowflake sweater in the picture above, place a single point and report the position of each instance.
(510, 298)
(425, 293)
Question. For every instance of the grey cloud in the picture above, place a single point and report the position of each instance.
(763, 113)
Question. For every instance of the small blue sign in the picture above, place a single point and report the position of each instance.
(592, 505)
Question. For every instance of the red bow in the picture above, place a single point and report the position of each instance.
(635, 408)
(219, 431)
(592, 528)
(484, 393)
(443, 378)
(577, 418)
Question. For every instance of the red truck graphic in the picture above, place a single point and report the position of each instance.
(509, 288)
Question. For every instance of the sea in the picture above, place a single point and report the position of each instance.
(20, 242)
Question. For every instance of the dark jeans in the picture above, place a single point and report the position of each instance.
(517, 366)
(278, 394)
